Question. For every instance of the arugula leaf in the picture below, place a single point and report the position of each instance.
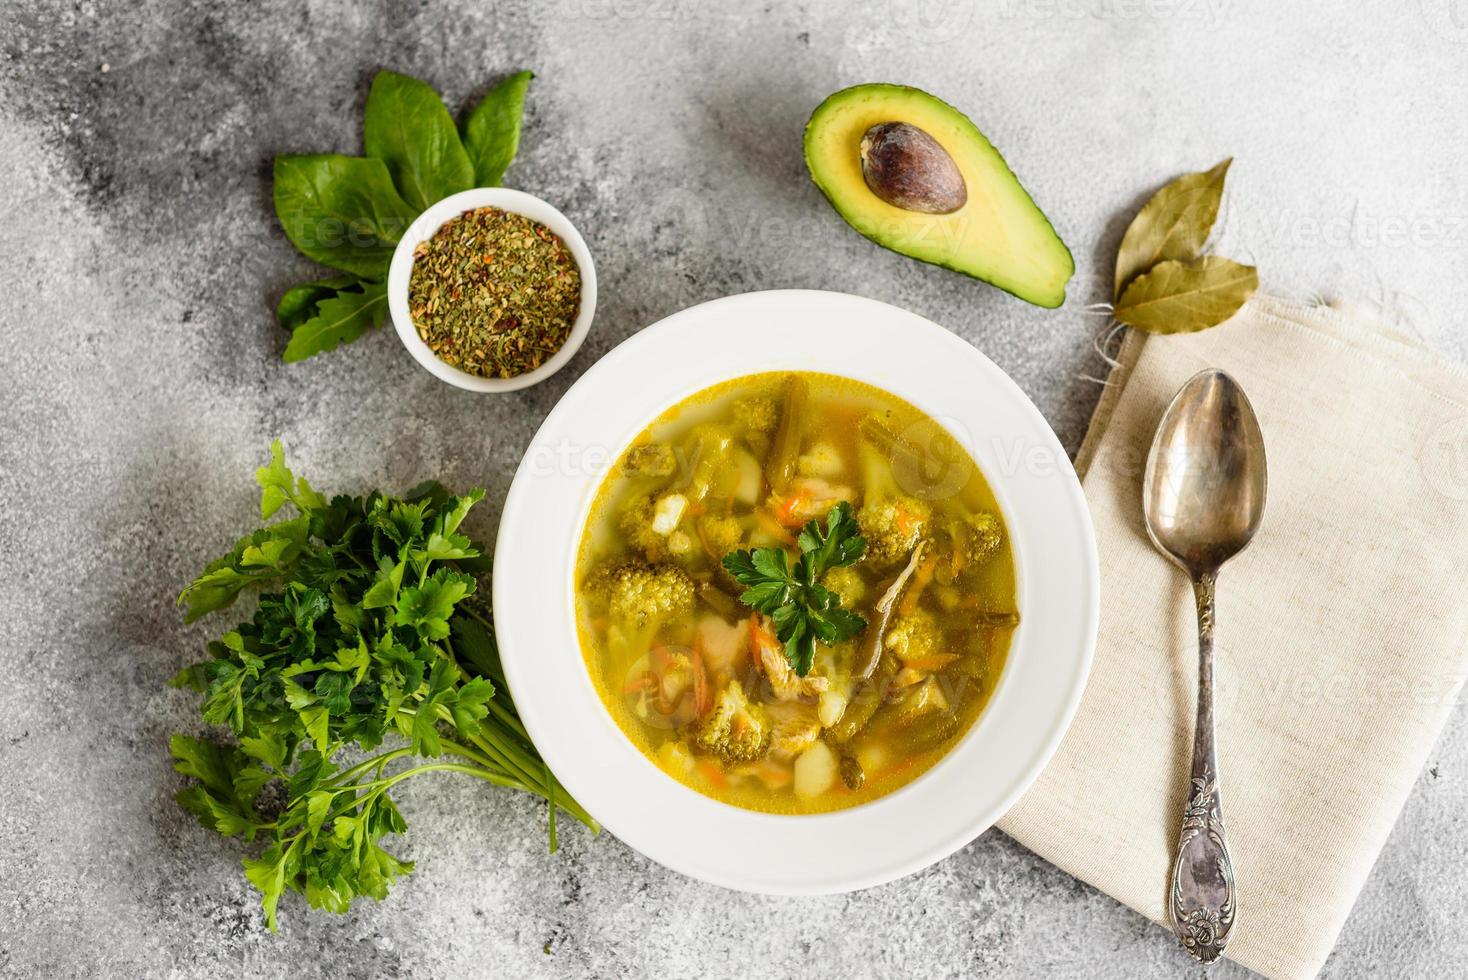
(300, 302)
(337, 319)
(492, 129)
(363, 628)
(341, 211)
(407, 127)
(802, 610)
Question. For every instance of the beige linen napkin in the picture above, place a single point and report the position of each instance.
(1340, 630)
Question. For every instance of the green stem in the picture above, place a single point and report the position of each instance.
(378, 761)
(378, 786)
(509, 719)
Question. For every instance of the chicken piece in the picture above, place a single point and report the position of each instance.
(795, 726)
(770, 658)
(723, 644)
(808, 499)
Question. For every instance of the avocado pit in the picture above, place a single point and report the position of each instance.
(908, 169)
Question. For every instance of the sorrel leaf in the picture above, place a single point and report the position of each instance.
(339, 319)
(1174, 224)
(407, 127)
(1183, 297)
(341, 211)
(492, 130)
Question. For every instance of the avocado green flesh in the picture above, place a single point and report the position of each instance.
(999, 235)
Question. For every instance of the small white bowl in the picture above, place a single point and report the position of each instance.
(1057, 576)
(423, 228)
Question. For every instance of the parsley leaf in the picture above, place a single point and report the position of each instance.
(802, 610)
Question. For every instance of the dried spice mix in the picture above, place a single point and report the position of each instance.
(494, 293)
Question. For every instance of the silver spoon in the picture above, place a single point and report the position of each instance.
(1203, 498)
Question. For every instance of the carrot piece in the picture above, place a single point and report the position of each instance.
(703, 698)
(920, 580)
(785, 514)
(932, 662)
(710, 770)
(773, 527)
(760, 637)
(772, 774)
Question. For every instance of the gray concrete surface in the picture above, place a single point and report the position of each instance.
(141, 383)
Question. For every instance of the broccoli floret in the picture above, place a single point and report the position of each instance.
(848, 584)
(735, 730)
(822, 460)
(893, 526)
(723, 534)
(976, 539)
(636, 525)
(756, 414)
(914, 635)
(639, 593)
(651, 459)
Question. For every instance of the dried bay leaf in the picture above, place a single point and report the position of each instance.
(1174, 224)
(1184, 297)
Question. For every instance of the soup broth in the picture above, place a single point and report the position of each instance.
(701, 682)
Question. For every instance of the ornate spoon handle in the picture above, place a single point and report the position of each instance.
(1202, 900)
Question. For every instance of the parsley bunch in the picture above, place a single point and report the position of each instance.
(364, 634)
(802, 609)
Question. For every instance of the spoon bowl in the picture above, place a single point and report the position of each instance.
(1204, 487)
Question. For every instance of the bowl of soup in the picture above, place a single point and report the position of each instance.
(796, 592)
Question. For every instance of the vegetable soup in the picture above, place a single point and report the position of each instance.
(795, 592)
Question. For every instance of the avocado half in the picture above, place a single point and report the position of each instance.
(997, 234)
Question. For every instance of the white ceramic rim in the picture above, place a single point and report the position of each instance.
(429, 222)
(1058, 586)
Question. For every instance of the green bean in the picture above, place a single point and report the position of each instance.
(785, 453)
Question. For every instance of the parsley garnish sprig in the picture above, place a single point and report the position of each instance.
(364, 632)
(802, 609)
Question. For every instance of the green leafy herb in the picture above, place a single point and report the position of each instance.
(1184, 297)
(341, 211)
(333, 317)
(407, 127)
(1163, 283)
(802, 609)
(301, 303)
(492, 130)
(349, 212)
(1174, 224)
(365, 633)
